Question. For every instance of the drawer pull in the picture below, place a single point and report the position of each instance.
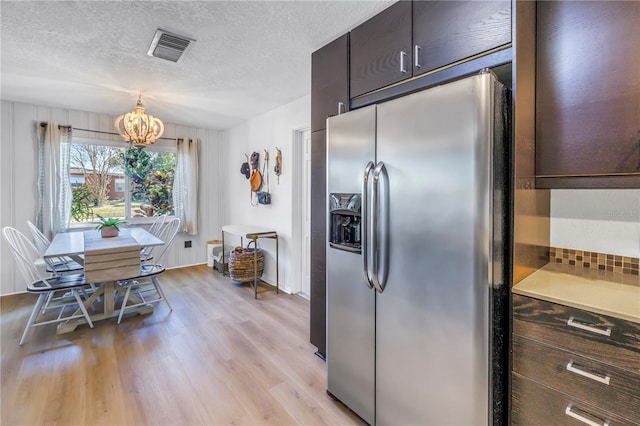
(588, 375)
(583, 419)
(575, 323)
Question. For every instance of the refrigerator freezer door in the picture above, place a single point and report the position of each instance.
(350, 301)
(432, 347)
(351, 144)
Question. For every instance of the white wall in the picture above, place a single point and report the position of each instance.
(599, 220)
(18, 177)
(274, 128)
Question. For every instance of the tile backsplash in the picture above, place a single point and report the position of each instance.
(593, 260)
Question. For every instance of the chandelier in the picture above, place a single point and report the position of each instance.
(139, 128)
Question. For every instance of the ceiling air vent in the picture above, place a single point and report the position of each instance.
(169, 46)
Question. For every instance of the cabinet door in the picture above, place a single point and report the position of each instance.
(329, 81)
(318, 241)
(378, 49)
(587, 91)
(449, 31)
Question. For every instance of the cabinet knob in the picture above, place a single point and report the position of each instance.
(416, 56)
(341, 108)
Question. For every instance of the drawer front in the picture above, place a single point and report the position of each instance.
(598, 384)
(535, 404)
(610, 340)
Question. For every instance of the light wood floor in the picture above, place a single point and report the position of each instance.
(220, 357)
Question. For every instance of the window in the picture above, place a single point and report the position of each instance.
(76, 179)
(120, 185)
(110, 180)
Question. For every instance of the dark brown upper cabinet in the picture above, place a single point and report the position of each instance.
(445, 32)
(329, 81)
(588, 94)
(381, 49)
(411, 38)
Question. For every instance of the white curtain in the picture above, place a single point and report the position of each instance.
(185, 186)
(54, 187)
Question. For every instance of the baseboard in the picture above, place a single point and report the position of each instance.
(16, 293)
(282, 288)
(186, 266)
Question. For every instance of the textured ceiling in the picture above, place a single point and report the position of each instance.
(249, 57)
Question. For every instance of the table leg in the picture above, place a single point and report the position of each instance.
(71, 325)
(108, 290)
(109, 298)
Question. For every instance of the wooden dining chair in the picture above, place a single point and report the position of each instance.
(70, 306)
(146, 287)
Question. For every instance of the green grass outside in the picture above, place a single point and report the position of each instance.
(109, 209)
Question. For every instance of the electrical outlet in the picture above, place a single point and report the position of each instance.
(187, 244)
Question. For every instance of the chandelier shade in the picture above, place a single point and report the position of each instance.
(139, 128)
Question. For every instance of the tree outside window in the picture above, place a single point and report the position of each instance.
(98, 164)
(151, 177)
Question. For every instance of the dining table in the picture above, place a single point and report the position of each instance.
(106, 261)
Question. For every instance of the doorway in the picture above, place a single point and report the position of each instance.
(302, 210)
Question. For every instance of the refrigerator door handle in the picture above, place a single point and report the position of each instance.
(364, 222)
(379, 245)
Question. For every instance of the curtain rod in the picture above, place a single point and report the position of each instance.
(60, 126)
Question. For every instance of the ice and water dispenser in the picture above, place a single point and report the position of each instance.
(344, 221)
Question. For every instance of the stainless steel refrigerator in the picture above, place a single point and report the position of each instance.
(418, 256)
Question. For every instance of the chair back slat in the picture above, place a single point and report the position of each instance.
(156, 226)
(26, 254)
(155, 229)
(167, 235)
(39, 239)
(57, 265)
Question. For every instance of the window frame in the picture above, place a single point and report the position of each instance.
(157, 147)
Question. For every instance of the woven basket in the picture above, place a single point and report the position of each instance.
(241, 264)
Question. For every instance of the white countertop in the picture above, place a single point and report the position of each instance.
(607, 293)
